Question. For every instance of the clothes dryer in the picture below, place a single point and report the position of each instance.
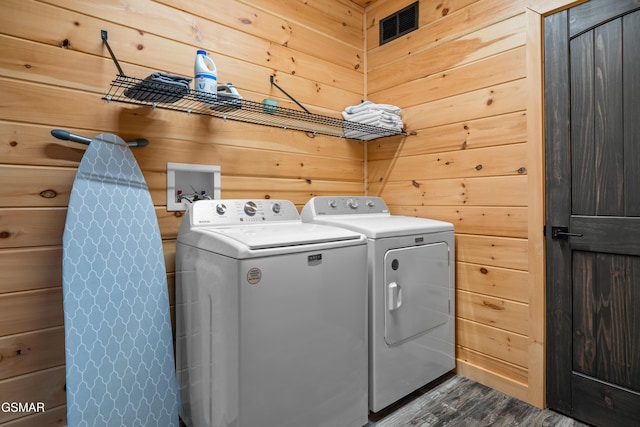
(411, 293)
(271, 318)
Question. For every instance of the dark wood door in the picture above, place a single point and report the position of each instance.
(592, 146)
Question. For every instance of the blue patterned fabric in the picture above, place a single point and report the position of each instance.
(119, 347)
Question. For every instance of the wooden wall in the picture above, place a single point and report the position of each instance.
(54, 71)
(470, 85)
(466, 80)
(461, 80)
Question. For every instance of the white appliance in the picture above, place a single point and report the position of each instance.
(411, 293)
(271, 318)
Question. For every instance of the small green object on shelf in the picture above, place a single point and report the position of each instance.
(270, 105)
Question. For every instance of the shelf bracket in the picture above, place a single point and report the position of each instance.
(105, 35)
(273, 83)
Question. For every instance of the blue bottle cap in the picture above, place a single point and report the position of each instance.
(202, 52)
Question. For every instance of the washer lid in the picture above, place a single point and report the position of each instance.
(381, 226)
(240, 241)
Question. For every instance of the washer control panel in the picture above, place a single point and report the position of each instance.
(345, 205)
(237, 211)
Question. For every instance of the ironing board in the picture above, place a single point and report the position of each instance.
(118, 342)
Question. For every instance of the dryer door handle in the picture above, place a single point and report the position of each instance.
(394, 294)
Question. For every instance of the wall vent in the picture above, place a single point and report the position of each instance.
(399, 23)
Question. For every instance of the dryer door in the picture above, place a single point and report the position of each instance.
(416, 293)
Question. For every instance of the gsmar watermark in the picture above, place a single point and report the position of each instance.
(28, 407)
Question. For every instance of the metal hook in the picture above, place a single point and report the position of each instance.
(68, 136)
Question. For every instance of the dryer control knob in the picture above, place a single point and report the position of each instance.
(276, 208)
(352, 203)
(250, 208)
(333, 204)
(371, 203)
(221, 208)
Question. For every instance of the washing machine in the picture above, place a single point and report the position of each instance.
(270, 318)
(411, 293)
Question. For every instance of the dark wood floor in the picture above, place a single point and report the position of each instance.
(455, 401)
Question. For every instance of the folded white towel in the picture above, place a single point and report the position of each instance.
(380, 119)
(370, 106)
(366, 115)
(375, 118)
(362, 116)
(381, 124)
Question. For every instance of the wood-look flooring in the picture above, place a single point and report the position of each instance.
(455, 401)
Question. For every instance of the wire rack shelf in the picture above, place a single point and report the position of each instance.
(132, 90)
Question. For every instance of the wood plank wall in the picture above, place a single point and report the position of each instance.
(54, 71)
(461, 80)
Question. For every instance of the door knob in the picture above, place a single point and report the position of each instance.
(562, 233)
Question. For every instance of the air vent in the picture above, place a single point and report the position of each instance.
(398, 24)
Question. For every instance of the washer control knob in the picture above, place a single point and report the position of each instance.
(371, 203)
(276, 208)
(352, 203)
(221, 208)
(250, 208)
(333, 204)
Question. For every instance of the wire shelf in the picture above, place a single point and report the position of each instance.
(132, 90)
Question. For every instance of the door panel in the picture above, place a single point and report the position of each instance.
(631, 111)
(612, 234)
(558, 204)
(603, 405)
(605, 318)
(592, 132)
(596, 121)
(583, 155)
(585, 17)
(416, 290)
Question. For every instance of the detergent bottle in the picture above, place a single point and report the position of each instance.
(206, 78)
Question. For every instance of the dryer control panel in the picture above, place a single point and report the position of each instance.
(345, 205)
(237, 211)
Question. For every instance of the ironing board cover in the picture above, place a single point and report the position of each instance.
(118, 342)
